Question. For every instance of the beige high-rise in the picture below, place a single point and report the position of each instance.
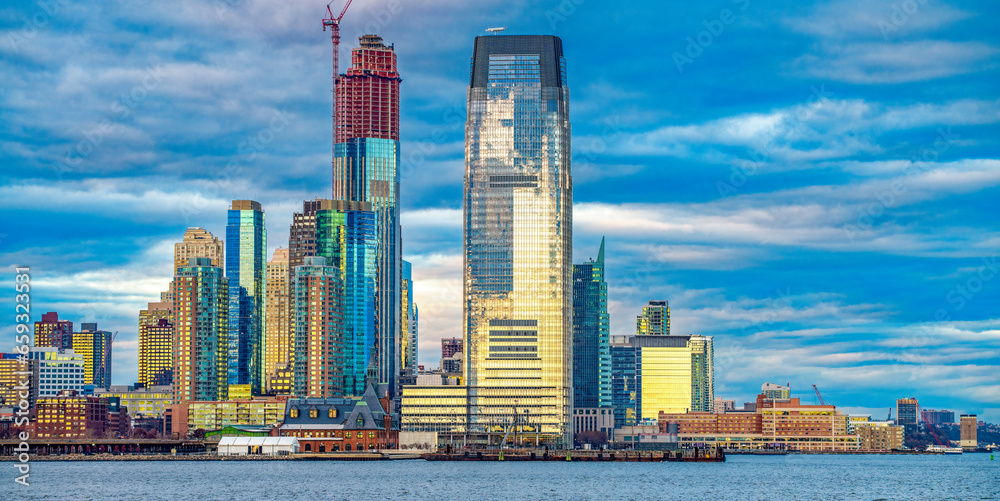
(277, 315)
(199, 242)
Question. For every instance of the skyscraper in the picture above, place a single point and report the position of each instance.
(366, 169)
(201, 348)
(906, 411)
(408, 322)
(198, 242)
(246, 248)
(318, 341)
(347, 237)
(518, 235)
(277, 316)
(591, 335)
(54, 333)
(655, 319)
(95, 347)
(302, 233)
(156, 345)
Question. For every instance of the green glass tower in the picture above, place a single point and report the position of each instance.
(246, 258)
(591, 335)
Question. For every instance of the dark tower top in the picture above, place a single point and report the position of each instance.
(547, 47)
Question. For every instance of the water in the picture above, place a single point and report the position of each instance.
(968, 476)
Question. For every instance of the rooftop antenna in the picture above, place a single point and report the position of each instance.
(494, 31)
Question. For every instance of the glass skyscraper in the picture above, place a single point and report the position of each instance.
(408, 323)
(518, 237)
(655, 319)
(366, 169)
(246, 258)
(200, 293)
(591, 335)
(347, 236)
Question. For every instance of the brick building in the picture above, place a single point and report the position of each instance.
(69, 415)
(341, 424)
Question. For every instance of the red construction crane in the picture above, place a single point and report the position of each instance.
(334, 24)
(820, 397)
(930, 427)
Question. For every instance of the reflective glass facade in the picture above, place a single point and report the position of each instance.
(201, 329)
(347, 236)
(655, 319)
(246, 248)
(277, 317)
(408, 322)
(591, 335)
(518, 236)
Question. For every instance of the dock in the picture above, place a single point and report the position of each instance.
(685, 455)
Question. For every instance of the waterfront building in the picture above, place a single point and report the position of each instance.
(518, 236)
(54, 333)
(771, 390)
(151, 401)
(347, 237)
(95, 347)
(341, 424)
(318, 342)
(440, 408)
(198, 242)
(277, 317)
(878, 435)
(55, 371)
(968, 428)
(450, 346)
(594, 419)
(656, 373)
(156, 345)
(721, 406)
(187, 417)
(939, 417)
(906, 411)
(591, 336)
(16, 378)
(70, 415)
(246, 257)
(366, 169)
(777, 423)
(655, 319)
(201, 306)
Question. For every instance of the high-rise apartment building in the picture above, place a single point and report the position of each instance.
(16, 376)
(939, 417)
(655, 319)
(198, 242)
(450, 346)
(277, 317)
(55, 371)
(246, 258)
(906, 411)
(408, 322)
(775, 391)
(201, 347)
(653, 374)
(318, 341)
(95, 347)
(347, 237)
(156, 345)
(366, 169)
(591, 335)
(302, 233)
(518, 235)
(52, 332)
(969, 431)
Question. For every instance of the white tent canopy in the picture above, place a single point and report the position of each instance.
(239, 446)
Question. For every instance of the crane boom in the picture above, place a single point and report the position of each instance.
(820, 397)
(334, 24)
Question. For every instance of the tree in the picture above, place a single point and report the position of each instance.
(594, 438)
(198, 434)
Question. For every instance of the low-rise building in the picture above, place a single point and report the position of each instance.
(601, 419)
(16, 379)
(152, 401)
(69, 415)
(341, 424)
(723, 406)
(187, 417)
(879, 436)
(56, 371)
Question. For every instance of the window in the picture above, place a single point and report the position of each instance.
(332, 413)
(313, 413)
(294, 413)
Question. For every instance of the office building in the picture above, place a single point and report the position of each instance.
(939, 417)
(906, 411)
(198, 242)
(246, 248)
(54, 333)
(655, 319)
(878, 436)
(518, 235)
(347, 237)
(156, 345)
(591, 336)
(95, 347)
(600, 420)
(70, 415)
(201, 347)
(150, 401)
(277, 317)
(56, 371)
(16, 377)
(409, 322)
(655, 373)
(366, 169)
(775, 391)
(318, 342)
(969, 429)
(187, 417)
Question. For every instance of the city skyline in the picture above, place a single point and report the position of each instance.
(754, 257)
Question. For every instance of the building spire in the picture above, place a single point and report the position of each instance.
(600, 253)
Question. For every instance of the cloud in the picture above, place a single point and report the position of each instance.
(879, 63)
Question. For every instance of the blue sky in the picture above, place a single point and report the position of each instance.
(813, 183)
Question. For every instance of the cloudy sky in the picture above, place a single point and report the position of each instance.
(814, 183)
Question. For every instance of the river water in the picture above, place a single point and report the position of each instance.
(967, 476)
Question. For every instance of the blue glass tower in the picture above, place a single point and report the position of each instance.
(591, 335)
(246, 247)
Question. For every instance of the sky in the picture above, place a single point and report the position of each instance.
(813, 183)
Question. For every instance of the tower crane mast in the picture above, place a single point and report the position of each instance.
(334, 24)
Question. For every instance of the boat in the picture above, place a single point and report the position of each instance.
(943, 449)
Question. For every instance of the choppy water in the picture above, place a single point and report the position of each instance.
(969, 476)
